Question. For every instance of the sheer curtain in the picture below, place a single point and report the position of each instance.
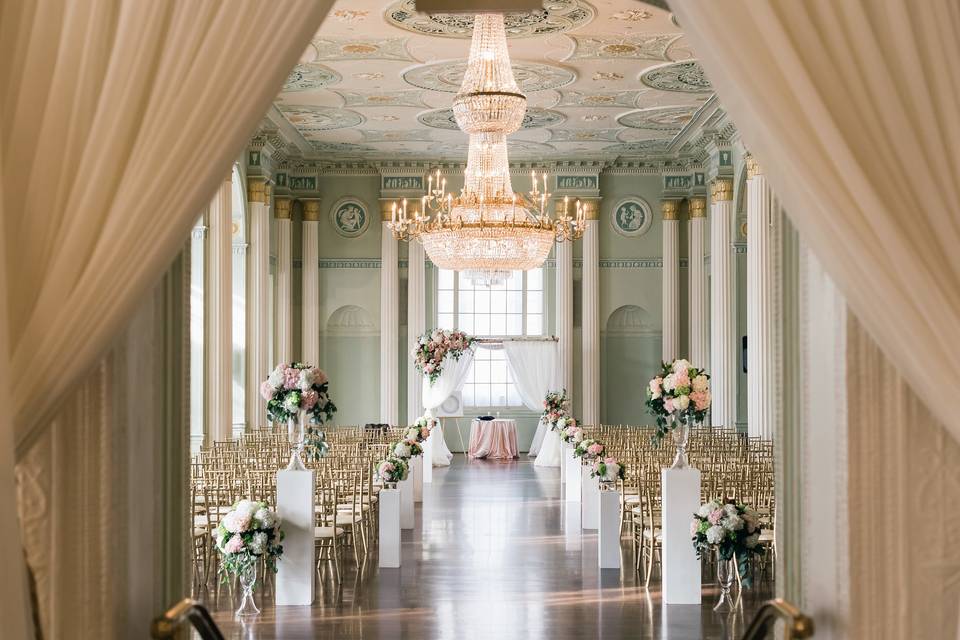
(850, 108)
(535, 372)
(117, 120)
(451, 379)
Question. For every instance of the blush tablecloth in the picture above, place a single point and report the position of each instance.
(493, 439)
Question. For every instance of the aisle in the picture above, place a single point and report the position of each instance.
(501, 556)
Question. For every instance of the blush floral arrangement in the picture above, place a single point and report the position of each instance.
(556, 409)
(589, 450)
(295, 388)
(608, 470)
(730, 528)
(570, 432)
(433, 347)
(393, 470)
(680, 394)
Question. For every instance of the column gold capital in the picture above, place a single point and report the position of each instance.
(753, 167)
(257, 190)
(311, 210)
(698, 207)
(721, 190)
(281, 208)
(386, 209)
(670, 209)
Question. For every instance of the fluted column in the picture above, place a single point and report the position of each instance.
(671, 279)
(565, 313)
(699, 338)
(763, 280)
(723, 325)
(219, 379)
(389, 328)
(258, 197)
(590, 330)
(416, 325)
(284, 287)
(310, 332)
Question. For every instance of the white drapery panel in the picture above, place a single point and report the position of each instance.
(535, 367)
(452, 378)
(850, 108)
(106, 106)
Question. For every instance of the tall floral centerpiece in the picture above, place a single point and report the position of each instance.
(678, 398)
(248, 532)
(297, 394)
(732, 530)
(556, 409)
(433, 347)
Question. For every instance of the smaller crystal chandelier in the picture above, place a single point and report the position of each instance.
(487, 230)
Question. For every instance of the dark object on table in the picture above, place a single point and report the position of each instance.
(485, 418)
(370, 426)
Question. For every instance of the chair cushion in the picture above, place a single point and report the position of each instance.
(326, 532)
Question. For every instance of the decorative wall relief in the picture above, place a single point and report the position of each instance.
(659, 118)
(305, 77)
(639, 148)
(577, 182)
(534, 118)
(353, 49)
(675, 183)
(557, 17)
(303, 183)
(349, 217)
(643, 46)
(399, 183)
(447, 76)
(631, 217)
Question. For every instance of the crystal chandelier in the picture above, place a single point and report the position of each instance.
(487, 230)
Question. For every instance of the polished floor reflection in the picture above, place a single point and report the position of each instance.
(496, 553)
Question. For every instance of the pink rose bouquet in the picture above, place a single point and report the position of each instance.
(433, 347)
(295, 387)
(679, 393)
(248, 532)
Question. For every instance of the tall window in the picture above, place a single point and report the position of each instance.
(511, 308)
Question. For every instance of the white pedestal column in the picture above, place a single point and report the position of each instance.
(416, 325)
(389, 541)
(310, 307)
(608, 538)
(283, 325)
(574, 476)
(671, 279)
(406, 503)
(590, 500)
(590, 303)
(416, 474)
(297, 567)
(428, 458)
(723, 322)
(564, 454)
(699, 338)
(258, 309)
(389, 328)
(219, 314)
(681, 567)
(565, 313)
(763, 286)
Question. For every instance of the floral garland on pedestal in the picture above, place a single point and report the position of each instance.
(589, 450)
(392, 470)
(608, 469)
(433, 347)
(408, 447)
(295, 388)
(556, 409)
(680, 394)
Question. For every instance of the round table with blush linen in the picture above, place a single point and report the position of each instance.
(496, 439)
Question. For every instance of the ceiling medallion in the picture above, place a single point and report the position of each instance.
(680, 76)
(658, 118)
(487, 230)
(313, 118)
(557, 17)
(448, 76)
(534, 118)
(305, 77)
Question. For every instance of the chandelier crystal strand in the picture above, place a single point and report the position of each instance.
(487, 230)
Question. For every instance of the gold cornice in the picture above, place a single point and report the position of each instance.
(753, 167)
(721, 190)
(311, 210)
(698, 207)
(281, 208)
(257, 190)
(386, 209)
(670, 209)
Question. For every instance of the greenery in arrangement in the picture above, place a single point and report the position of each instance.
(589, 450)
(679, 394)
(292, 388)
(731, 529)
(433, 347)
(249, 532)
(556, 409)
(608, 469)
(393, 469)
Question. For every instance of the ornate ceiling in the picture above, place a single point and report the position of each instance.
(603, 79)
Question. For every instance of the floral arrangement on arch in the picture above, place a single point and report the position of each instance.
(608, 469)
(681, 393)
(556, 408)
(392, 469)
(589, 450)
(295, 387)
(569, 431)
(731, 528)
(248, 532)
(433, 347)
(425, 425)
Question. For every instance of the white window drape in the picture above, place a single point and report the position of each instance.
(117, 120)
(536, 371)
(452, 378)
(851, 107)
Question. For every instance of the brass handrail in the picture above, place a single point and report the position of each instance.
(796, 623)
(187, 610)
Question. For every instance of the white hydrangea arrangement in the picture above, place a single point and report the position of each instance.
(731, 528)
(393, 470)
(250, 531)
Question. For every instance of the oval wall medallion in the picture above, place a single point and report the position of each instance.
(631, 217)
(349, 217)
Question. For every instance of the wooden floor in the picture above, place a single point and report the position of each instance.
(496, 554)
